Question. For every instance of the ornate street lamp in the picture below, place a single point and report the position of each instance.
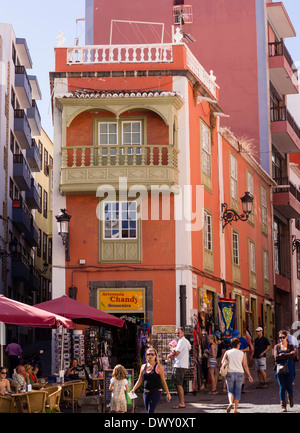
(229, 215)
(295, 243)
(63, 220)
(12, 248)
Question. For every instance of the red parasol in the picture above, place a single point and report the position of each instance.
(17, 313)
(80, 313)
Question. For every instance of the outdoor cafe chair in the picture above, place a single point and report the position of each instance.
(6, 404)
(31, 402)
(71, 391)
(53, 397)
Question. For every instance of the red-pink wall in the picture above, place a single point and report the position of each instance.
(225, 33)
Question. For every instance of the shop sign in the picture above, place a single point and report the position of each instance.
(163, 329)
(121, 300)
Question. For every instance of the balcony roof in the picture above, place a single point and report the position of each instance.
(36, 91)
(280, 20)
(118, 94)
(23, 53)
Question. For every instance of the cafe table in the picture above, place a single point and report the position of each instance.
(97, 383)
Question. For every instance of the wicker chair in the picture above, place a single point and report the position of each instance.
(71, 391)
(53, 397)
(6, 404)
(32, 402)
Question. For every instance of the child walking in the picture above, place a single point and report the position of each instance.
(118, 386)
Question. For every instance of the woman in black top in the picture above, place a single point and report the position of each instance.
(153, 375)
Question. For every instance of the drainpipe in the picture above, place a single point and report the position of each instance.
(182, 303)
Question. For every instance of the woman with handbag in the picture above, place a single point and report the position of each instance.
(237, 365)
(284, 354)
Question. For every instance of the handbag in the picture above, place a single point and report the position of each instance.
(224, 368)
(282, 368)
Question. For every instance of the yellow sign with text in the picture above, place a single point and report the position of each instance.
(121, 300)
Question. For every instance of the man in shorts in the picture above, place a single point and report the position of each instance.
(181, 364)
(261, 346)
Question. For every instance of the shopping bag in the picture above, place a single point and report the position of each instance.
(224, 367)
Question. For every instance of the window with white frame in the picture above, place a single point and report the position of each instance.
(120, 220)
(207, 231)
(266, 264)
(206, 149)
(264, 209)
(233, 177)
(107, 133)
(235, 248)
(250, 187)
(132, 133)
(252, 257)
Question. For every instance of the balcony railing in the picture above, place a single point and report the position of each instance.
(287, 186)
(105, 156)
(279, 49)
(282, 114)
(85, 168)
(91, 54)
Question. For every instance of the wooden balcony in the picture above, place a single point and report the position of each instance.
(85, 168)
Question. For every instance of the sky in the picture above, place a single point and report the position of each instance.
(40, 22)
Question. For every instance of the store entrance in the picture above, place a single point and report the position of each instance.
(130, 341)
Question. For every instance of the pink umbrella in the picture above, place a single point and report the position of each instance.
(16, 313)
(80, 313)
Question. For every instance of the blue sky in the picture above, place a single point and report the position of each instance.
(40, 21)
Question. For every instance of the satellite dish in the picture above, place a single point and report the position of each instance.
(60, 38)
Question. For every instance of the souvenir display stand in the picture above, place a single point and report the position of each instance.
(160, 339)
(188, 384)
(63, 347)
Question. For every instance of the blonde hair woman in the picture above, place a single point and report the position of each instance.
(153, 376)
(118, 386)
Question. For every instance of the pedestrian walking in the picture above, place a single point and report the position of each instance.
(14, 352)
(284, 354)
(213, 371)
(118, 386)
(261, 347)
(153, 376)
(234, 379)
(180, 366)
(293, 340)
(222, 347)
(244, 347)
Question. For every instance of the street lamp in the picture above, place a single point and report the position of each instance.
(295, 243)
(45, 268)
(63, 220)
(12, 248)
(229, 215)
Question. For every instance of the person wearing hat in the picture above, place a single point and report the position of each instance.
(261, 347)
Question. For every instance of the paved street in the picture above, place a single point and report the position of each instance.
(252, 401)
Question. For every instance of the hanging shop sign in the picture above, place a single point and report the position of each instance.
(122, 300)
(227, 316)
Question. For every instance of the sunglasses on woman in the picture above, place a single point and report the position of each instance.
(282, 338)
(150, 354)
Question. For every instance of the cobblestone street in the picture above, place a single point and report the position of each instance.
(252, 401)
